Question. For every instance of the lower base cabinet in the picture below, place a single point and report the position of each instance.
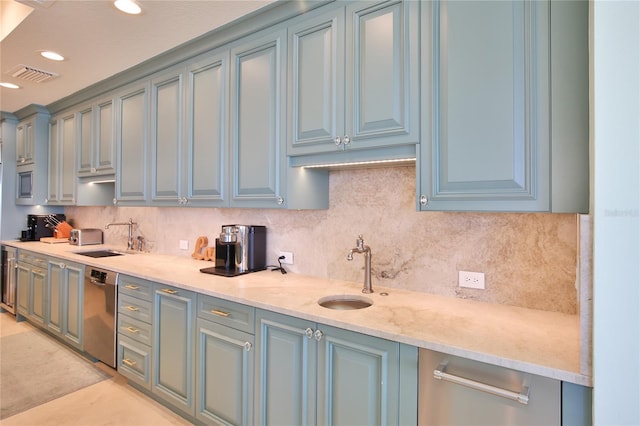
(308, 373)
(65, 300)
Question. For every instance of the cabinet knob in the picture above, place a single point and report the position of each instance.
(347, 140)
(318, 335)
(338, 141)
(424, 200)
(280, 201)
(309, 333)
(247, 346)
(62, 265)
(115, 201)
(93, 170)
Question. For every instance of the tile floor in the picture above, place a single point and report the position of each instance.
(111, 402)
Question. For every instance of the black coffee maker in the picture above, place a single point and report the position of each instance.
(240, 249)
(38, 226)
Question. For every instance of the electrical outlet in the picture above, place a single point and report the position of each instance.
(288, 258)
(471, 279)
(184, 244)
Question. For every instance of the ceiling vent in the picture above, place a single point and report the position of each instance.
(28, 73)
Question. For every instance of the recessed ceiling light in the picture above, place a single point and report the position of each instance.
(52, 55)
(9, 85)
(128, 6)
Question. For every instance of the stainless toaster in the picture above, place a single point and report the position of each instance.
(85, 237)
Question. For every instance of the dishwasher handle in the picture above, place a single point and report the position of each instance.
(440, 373)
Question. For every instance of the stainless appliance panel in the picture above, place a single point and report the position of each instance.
(9, 264)
(99, 314)
(458, 391)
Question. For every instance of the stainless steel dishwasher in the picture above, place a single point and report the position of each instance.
(99, 314)
(459, 391)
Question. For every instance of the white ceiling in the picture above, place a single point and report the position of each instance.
(100, 41)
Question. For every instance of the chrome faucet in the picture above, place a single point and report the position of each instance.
(130, 224)
(361, 248)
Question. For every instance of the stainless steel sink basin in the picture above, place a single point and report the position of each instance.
(345, 302)
(100, 253)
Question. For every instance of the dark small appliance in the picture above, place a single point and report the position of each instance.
(38, 226)
(240, 249)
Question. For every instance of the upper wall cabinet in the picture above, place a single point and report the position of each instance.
(353, 79)
(259, 173)
(132, 140)
(505, 116)
(97, 144)
(62, 159)
(31, 158)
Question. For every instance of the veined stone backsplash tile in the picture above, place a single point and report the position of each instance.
(529, 259)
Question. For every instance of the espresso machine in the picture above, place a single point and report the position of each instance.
(240, 249)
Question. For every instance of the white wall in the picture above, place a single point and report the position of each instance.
(616, 137)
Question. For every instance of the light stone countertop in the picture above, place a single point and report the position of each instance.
(533, 341)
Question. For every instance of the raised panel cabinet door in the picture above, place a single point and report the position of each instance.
(24, 142)
(315, 108)
(173, 372)
(53, 186)
(224, 386)
(104, 145)
(55, 296)
(38, 292)
(23, 277)
(382, 66)
(85, 141)
(67, 158)
(207, 130)
(285, 392)
(132, 124)
(72, 304)
(358, 379)
(167, 112)
(486, 97)
(257, 120)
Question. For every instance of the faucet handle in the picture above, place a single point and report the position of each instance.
(360, 242)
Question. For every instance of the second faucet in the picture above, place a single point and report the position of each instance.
(130, 224)
(362, 249)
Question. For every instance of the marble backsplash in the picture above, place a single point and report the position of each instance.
(529, 259)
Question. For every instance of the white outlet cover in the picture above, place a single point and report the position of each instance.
(471, 279)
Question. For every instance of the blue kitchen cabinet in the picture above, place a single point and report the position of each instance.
(353, 82)
(224, 386)
(32, 286)
(173, 372)
(504, 106)
(309, 373)
(65, 300)
(62, 159)
(132, 144)
(259, 172)
(205, 155)
(25, 142)
(96, 147)
(31, 156)
(135, 330)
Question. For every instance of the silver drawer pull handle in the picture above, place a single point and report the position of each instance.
(132, 287)
(441, 374)
(132, 308)
(220, 313)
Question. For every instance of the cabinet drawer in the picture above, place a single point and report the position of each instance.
(32, 259)
(135, 308)
(134, 329)
(135, 287)
(134, 361)
(235, 315)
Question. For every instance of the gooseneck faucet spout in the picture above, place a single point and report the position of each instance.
(366, 251)
(130, 224)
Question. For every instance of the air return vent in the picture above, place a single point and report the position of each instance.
(28, 73)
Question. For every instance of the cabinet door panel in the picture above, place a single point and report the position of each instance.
(207, 112)
(67, 168)
(105, 151)
(132, 145)
(316, 86)
(22, 298)
(54, 162)
(358, 379)
(38, 307)
(85, 144)
(73, 297)
(225, 381)
(382, 77)
(173, 347)
(285, 371)
(167, 128)
(55, 292)
(258, 84)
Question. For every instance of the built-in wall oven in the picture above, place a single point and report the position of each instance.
(9, 263)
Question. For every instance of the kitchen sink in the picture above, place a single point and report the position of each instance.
(99, 253)
(345, 302)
